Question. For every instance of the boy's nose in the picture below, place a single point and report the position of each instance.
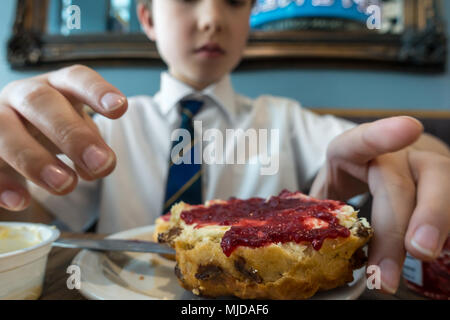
(210, 17)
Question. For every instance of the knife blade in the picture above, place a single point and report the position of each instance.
(115, 245)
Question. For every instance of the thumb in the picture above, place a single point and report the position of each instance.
(370, 140)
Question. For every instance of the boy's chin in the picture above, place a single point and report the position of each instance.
(201, 78)
(207, 77)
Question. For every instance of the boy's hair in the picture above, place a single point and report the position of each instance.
(148, 3)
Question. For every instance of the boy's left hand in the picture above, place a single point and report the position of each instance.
(410, 185)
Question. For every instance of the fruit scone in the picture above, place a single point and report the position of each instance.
(285, 247)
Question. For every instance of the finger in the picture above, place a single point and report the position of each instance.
(369, 140)
(393, 191)
(51, 113)
(89, 87)
(337, 184)
(82, 111)
(80, 108)
(14, 196)
(21, 152)
(430, 224)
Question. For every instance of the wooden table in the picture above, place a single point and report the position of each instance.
(55, 287)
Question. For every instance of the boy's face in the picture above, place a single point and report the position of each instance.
(200, 40)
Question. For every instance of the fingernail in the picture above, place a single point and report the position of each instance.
(12, 200)
(426, 240)
(56, 177)
(112, 101)
(96, 159)
(414, 120)
(390, 275)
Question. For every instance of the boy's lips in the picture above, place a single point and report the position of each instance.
(210, 50)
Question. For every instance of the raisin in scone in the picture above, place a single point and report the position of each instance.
(286, 247)
(162, 225)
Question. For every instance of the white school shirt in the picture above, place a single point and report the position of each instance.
(133, 194)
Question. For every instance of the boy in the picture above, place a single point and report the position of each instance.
(201, 41)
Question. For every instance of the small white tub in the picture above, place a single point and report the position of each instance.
(24, 248)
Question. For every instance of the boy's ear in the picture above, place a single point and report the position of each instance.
(146, 19)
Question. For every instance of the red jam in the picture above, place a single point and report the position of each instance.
(431, 279)
(290, 216)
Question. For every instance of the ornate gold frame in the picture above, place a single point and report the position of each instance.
(422, 47)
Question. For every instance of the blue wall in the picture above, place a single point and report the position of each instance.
(313, 88)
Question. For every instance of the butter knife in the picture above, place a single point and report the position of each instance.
(115, 245)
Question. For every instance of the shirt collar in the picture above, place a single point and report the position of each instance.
(173, 91)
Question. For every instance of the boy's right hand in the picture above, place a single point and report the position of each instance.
(43, 116)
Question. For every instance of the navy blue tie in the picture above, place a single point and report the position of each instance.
(184, 182)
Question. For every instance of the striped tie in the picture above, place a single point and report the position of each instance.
(184, 181)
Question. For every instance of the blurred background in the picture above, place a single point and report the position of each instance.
(317, 88)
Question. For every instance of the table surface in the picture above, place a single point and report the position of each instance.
(55, 287)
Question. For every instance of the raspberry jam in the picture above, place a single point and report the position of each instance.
(431, 279)
(256, 222)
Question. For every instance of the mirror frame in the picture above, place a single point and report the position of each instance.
(420, 48)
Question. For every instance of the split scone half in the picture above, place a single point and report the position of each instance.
(285, 247)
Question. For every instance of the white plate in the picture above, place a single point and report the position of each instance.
(147, 276)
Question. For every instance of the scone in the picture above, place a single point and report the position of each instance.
(162, 225)
(286, 247)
